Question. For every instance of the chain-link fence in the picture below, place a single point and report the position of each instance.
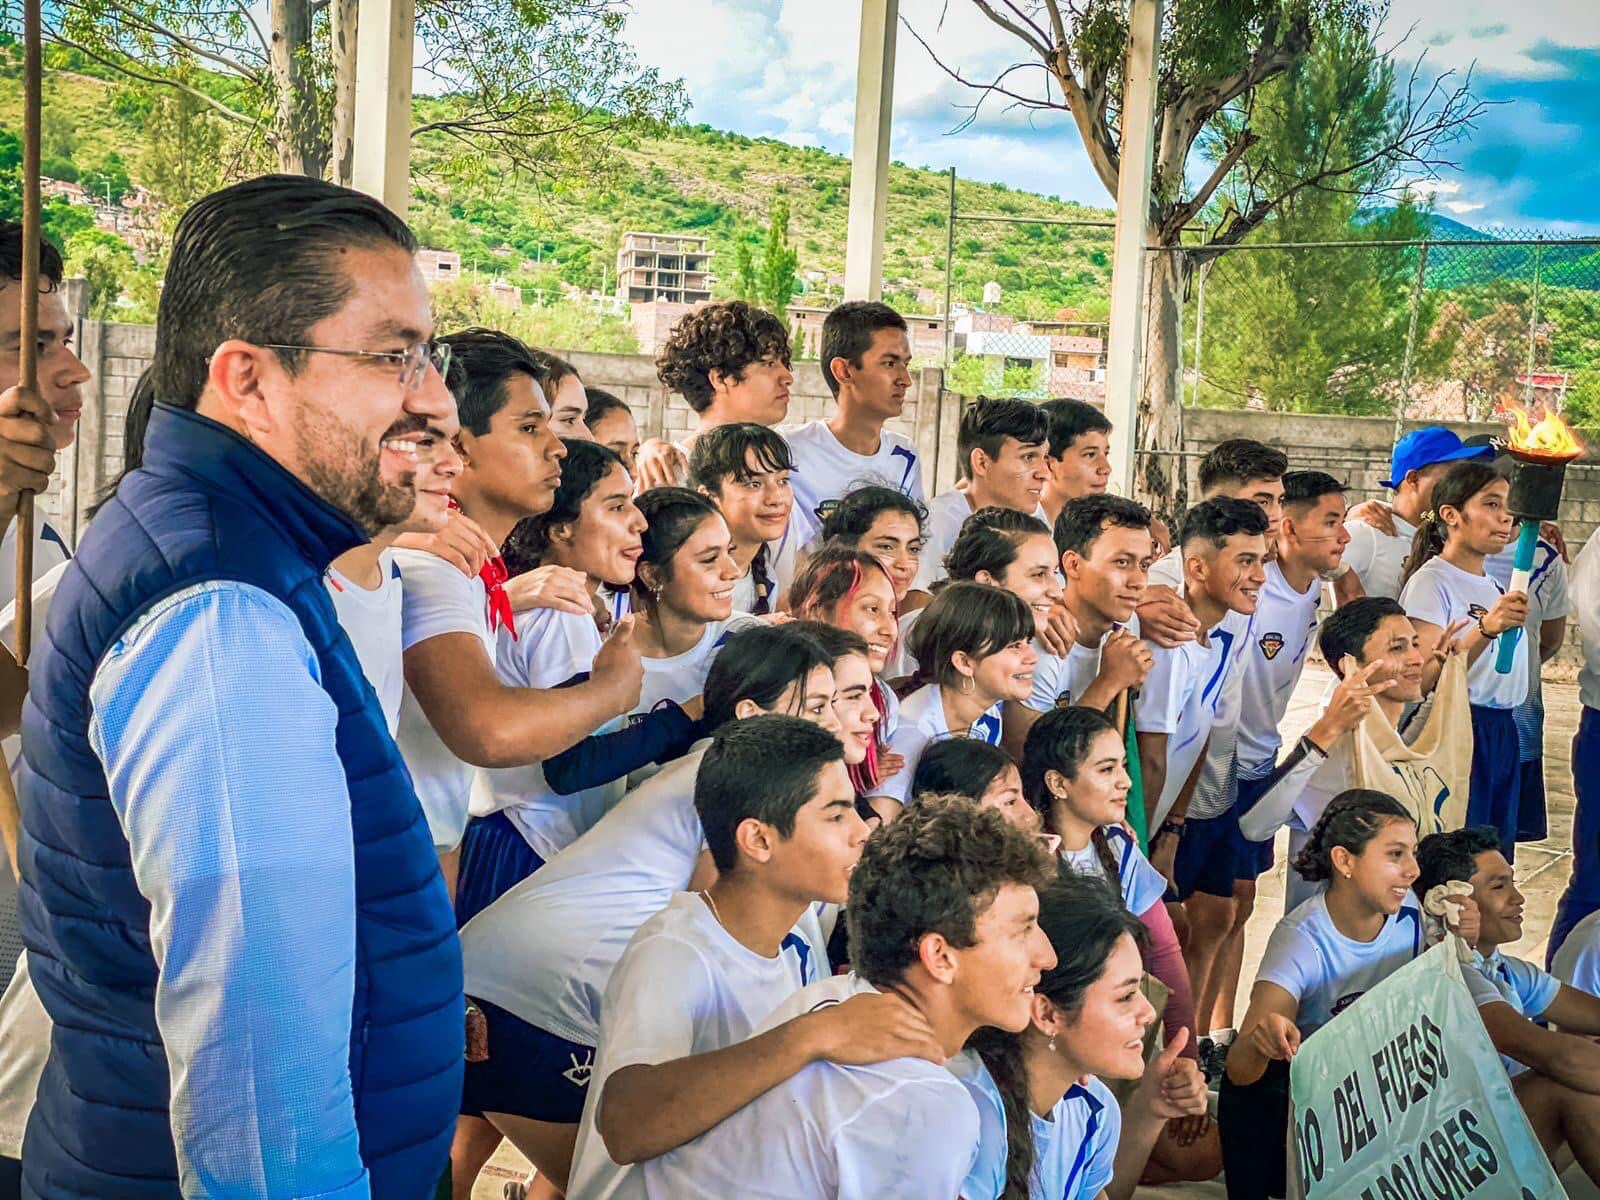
(1440, 330)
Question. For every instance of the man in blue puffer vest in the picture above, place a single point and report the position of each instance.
(232, 906)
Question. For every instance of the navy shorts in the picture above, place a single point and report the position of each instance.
(1207, 856)
(495, 857)
(530, 1072)
(1253, 859)
(1496, 786)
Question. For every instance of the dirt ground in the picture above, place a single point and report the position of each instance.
(1542, 869)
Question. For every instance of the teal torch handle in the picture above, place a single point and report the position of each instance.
(1521, 570)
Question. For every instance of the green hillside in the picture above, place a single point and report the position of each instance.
(694, 180)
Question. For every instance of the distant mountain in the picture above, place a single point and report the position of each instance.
(1500, 257)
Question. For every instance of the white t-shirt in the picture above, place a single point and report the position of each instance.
(1142, 886)
(545, 950)
(551, 649)
(1285, 628)
(1586, 603)
(683, 986)
(1058, 682)
(1328, 972)
(825, 470)
(682, 676)
(1549, 598)
(903, 1129)
(921, 721)
(1074, 1148)
(49, 551)
(437, 599)
(1217, 788)
(1181, 697)
(1440, 592)
(1577, 962)
(1514, 981)
(947, 513)
(1379, 559)
(371, 619)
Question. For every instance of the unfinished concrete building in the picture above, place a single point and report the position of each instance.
(664, 266)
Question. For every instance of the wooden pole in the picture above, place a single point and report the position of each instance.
(28, 367)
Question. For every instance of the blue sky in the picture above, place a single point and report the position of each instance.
(786, 69)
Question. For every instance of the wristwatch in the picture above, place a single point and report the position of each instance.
(1175, 828)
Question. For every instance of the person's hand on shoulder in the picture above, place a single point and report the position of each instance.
(550, 586)
(661, 464)
(462, 543)
(1166, 618)
(1060, 633)
(872, 1028)
(1376, 514)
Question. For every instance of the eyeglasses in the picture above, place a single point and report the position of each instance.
(413, 360)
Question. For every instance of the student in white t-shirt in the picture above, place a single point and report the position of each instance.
(365, 585)
(884, 523)
(1556, 1075)
(1000, 447)
(1105, 548)
(1381, 534)
(866, 363)
(676, 1054)
(1577, 962)
(1448, 592)
(1044, 1114)
(1078, 448)
(523, 816)
(1075, 775)
(537, 960)
(610, 422)
(975, 647)
(747, 471)
(852, 590)
(1012, 550)
(944, 936)
(1320, 960)
(683, 593)
(458, 714)
(1372, 646)
(731, 362)
(1223, 547)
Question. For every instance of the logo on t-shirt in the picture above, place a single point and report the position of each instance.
(580, 1070)
(1270, 644)
(1477, 611)
(1345, 1002)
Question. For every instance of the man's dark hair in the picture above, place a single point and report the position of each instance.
(1215, 521)
(991, 420)
(1239, 460)
(555, 367)
(1070, 420)
(729, 337)
(1082, 521)
(847, 333)
(1302, 489)
(481, 361)
(935, 869)
(763, 768)
(1348, 627)
(724, 453)
(602, 402)
(50, 268)
(260, 261)
(1447, 857)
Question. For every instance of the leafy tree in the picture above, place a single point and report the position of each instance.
(966, 375)
(1215, 57)
(1317, 330)
(548, 85)
(182, 158)
(779, 263)
(105, 262)
(108, 181)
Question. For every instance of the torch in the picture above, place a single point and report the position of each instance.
(1542, 453)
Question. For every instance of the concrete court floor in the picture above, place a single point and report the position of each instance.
(1541, 874)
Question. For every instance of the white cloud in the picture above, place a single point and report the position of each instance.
(1492, 35)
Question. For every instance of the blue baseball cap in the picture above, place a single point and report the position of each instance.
(1425, 447)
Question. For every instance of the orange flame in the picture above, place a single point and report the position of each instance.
(1551, 437)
